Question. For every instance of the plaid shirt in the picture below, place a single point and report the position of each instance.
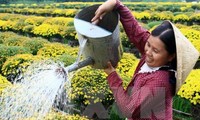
(148, 95)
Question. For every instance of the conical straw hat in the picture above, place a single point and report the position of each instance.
(187, 56)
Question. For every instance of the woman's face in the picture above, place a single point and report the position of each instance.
(156, 54)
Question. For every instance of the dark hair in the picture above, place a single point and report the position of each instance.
(166, 35)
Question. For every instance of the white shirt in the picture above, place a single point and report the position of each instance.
(145, 68)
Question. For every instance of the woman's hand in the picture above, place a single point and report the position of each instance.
(103, 9)
(109, 69)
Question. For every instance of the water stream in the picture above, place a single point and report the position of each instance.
(82, 43)
(39, 87)
(34, 96)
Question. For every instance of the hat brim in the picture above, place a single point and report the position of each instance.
(187, 56)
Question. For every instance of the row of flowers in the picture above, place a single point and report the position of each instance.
(192, 18)
(50, 5)
(42, 12)
(41, 26)
(138, 6)
(144, 15)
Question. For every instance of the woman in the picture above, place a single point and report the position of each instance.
(150, 92)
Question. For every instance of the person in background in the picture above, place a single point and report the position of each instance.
(164, 65)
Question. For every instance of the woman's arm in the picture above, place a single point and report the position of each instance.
(136, 34)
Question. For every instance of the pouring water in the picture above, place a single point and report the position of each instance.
(35, 95)
(44, 82)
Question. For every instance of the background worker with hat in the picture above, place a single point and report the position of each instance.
(167, 59)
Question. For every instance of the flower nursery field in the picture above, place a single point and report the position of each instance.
(33, 32)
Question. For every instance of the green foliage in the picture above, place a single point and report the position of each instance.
(115, 113)
(144, 25)
(124, 39)
(66, 59)
(177, 13)
(195, 17)
(28, 28)
(6, 51)
(69, 33)
(160, 8)
(6, 35)
(195, 27)
(154, 23)
(186, 8)
(18, 24)
(181, 104)
(196, 6)
(173, 7)
(15, 40)
(35, 44)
